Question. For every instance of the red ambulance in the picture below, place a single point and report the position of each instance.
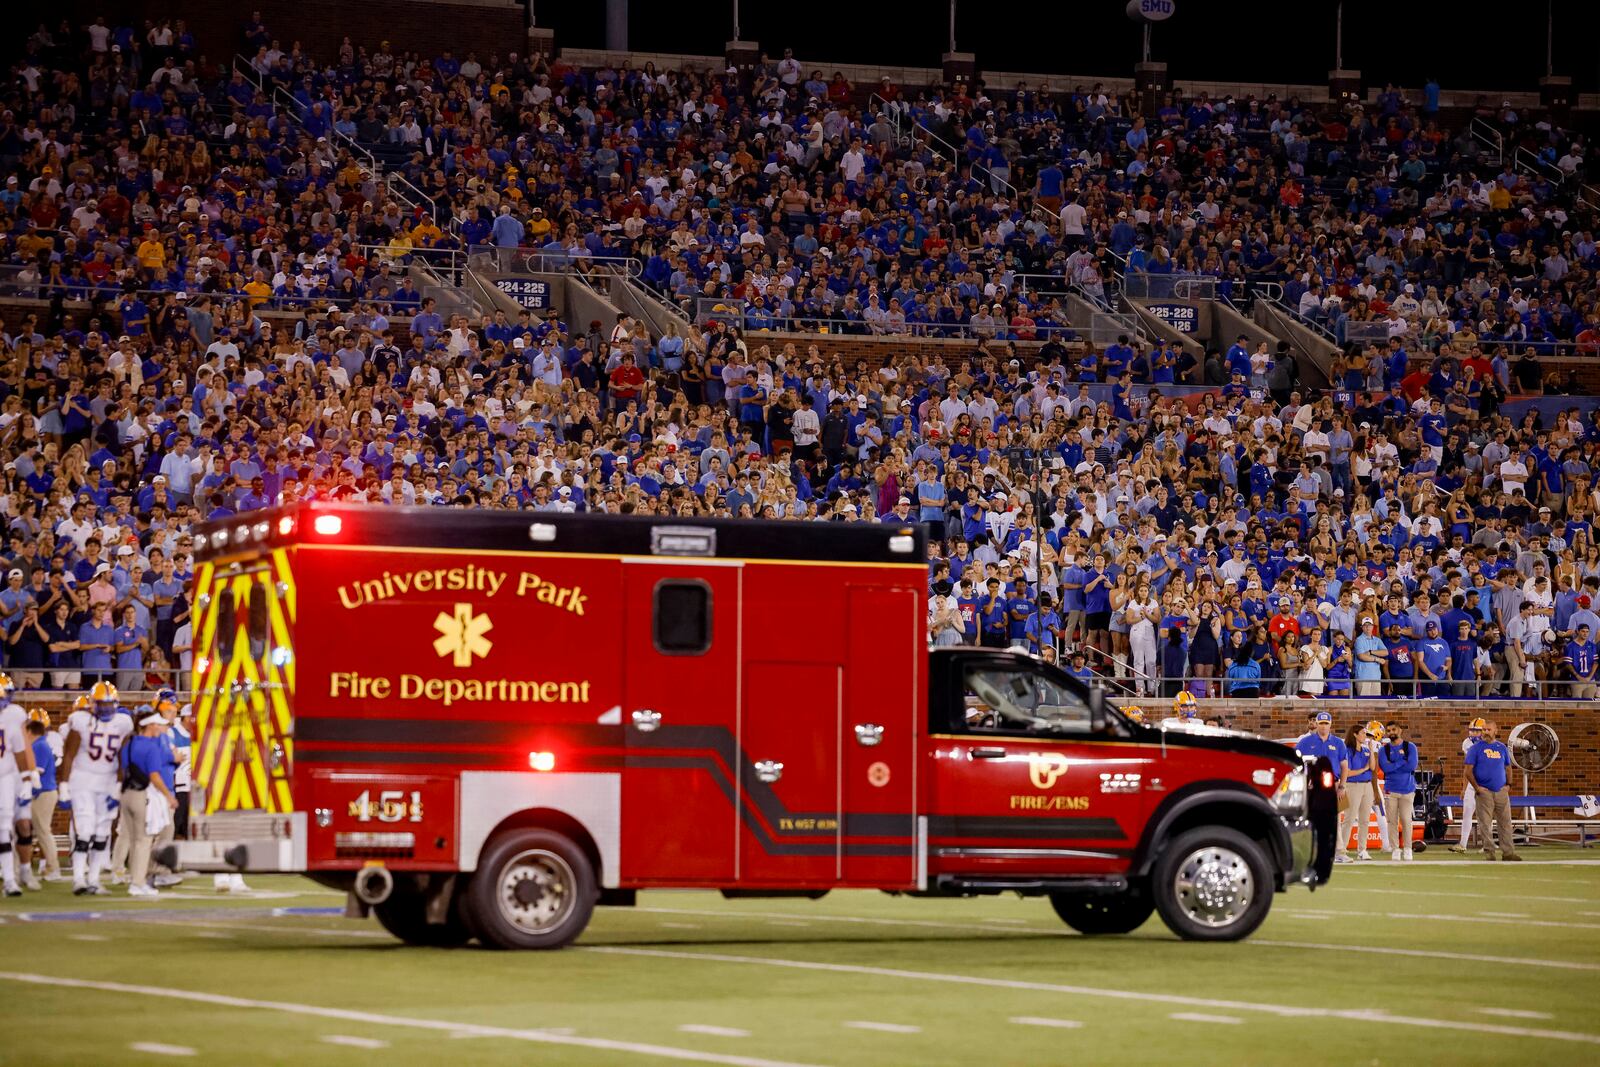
(483, 724)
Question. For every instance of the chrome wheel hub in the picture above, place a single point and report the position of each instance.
(1214, 886)
(536, 891)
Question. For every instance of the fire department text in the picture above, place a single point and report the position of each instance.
(448, 691)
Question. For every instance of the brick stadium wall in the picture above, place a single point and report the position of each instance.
(1438, 726)
(319, 25)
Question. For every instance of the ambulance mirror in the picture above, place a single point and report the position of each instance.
(1097, 710)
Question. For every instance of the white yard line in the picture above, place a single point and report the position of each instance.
(791, 919)
(320, 931)
(1283, 1010)
(1515, 1013)
(1325, 913)
(713, 1031)
(1198, 1017)
(1505, 914)
(1036, 1020)
(883, 1028)
(1432, 954)
(1341, 889)
(681, 926)
(409, 1021)
(354, 1042)
(87, 937)
(729, 913)
(1439, 870)
(156, 1048)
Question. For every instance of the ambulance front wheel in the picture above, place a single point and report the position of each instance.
(532, 889)
(1212, 883)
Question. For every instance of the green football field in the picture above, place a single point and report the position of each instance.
(1443, 961)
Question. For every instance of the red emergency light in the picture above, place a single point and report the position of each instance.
(542, 761)
(328, 525)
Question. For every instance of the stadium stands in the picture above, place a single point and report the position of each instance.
(864, 310)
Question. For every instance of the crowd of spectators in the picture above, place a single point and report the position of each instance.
(224, 321)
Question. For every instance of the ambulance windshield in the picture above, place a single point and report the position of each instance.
(1012, 698)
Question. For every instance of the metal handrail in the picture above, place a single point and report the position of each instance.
(374, 167)
(1530, 163)
(1489, 136)
(918, 127)
(935, 330)
(1294, 314)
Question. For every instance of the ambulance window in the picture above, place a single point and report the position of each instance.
(1016, 699)
(255, 624)
(227, 624)
(683, 618)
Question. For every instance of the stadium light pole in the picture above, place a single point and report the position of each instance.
(952, 26)
(1338, 35)
(1549, 38)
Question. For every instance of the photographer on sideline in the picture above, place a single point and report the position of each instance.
(1398, 758)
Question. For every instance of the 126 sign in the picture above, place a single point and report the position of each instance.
(1185, 318)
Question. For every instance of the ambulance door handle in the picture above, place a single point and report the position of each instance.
(646, 720)
(769, 770)
(986, 753)
(868, 734)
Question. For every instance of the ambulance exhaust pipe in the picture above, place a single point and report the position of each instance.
(373, 885)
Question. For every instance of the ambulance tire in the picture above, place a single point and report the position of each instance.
(532, 889)
(405, 916)
(1104, 913)
(1200, 878)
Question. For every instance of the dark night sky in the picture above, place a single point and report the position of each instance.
(1466, 45)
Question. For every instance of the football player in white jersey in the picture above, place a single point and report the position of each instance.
(88, 779)
(18, 780)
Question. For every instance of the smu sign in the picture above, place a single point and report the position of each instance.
(1151, 10)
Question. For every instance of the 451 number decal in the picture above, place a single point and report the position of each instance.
(392, 805)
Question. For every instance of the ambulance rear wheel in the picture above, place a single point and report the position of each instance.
(532, 889)
(405, 916)
(1115, 913)
(1212, 884)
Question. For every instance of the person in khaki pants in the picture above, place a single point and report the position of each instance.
(1361, 789)
(141, 787)
(1398, 759)
(43, 807)
(1489, 772)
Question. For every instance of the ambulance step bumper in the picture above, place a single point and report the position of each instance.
(243, 842)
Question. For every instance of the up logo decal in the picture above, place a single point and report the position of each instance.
(1044, 768)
